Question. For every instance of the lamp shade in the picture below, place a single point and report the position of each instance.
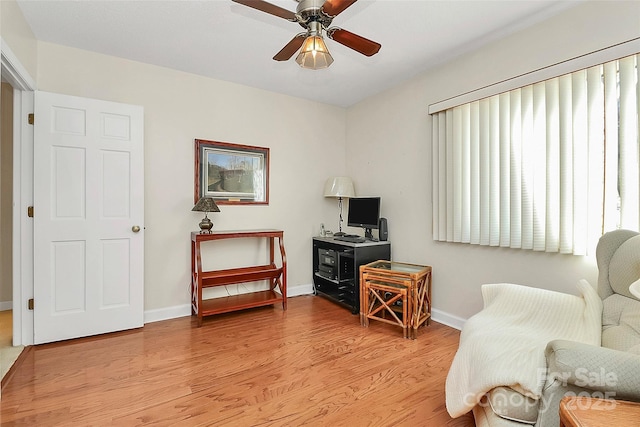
(314, 54)
(206, 204)
(339, 186)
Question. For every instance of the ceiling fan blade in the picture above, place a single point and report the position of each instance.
(267, 7)
(358, 43)
(291, 48)
(335, 7)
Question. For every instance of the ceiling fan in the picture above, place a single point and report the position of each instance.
(315, 16)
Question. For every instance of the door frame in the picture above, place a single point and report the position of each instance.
(23, 102)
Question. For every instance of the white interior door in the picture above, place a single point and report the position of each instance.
(88, 202)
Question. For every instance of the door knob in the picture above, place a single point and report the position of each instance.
(135, 228)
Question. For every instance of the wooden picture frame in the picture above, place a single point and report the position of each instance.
(233, 174)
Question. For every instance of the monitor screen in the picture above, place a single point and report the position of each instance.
(364, 212)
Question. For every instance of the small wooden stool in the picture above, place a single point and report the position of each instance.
(382, 303)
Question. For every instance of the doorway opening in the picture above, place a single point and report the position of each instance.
(8, 352)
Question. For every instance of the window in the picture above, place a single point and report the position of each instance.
(548, 166)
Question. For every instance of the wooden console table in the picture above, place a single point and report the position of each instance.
(582, 411)
(277, 276)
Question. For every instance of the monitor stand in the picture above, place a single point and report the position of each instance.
(368, 234)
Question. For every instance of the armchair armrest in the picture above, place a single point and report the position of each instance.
(614, 373)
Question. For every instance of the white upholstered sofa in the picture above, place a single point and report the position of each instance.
(611, 370)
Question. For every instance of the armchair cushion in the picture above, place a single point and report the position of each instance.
(621, 323)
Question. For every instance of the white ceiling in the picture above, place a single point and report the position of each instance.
(228, 41)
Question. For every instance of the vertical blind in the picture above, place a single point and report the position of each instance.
(547, 167)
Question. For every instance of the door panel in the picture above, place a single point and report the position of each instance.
(68, 121)
(68, 178)
(115, 180)
(115, 286)
(88, 194)
(67, 283)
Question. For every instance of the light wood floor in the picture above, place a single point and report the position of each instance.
(8, 353)
(312, 365)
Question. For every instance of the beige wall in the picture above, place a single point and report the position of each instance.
(17, 34)
(180, 107)
(6, 191)
(389, 154)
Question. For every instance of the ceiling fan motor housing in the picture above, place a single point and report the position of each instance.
(309, 11)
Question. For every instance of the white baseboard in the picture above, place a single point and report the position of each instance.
(296, 291)
(184, 310)
(447, 319)
(6, 305)
(167, 313)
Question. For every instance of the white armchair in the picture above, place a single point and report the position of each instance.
(609, 370)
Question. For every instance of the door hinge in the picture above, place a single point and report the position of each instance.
(31, 118)
(30, 211)
(30, 304)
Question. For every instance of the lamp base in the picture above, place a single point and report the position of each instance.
(205, 225)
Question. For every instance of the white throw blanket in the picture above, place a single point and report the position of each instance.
(504, 344)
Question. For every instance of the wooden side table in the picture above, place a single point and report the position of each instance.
(396, 293)
(581, 411)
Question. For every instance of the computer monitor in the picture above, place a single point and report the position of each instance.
(364, 212)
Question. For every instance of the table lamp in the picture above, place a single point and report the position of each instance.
(339, 186)
(206, 205)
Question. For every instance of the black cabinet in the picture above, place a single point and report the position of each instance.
(336, 268)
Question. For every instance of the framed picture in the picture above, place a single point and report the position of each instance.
(231, 173)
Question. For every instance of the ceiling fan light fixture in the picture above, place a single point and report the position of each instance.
(314, 54)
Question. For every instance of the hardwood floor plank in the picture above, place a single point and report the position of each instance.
(311, 365)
